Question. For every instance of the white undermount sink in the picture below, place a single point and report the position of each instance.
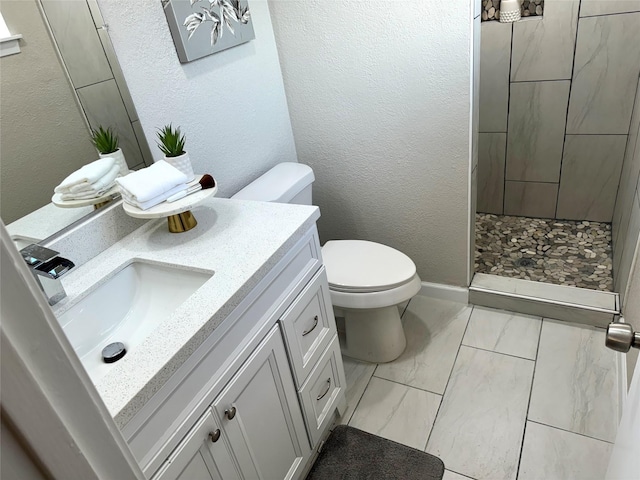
(126, 308)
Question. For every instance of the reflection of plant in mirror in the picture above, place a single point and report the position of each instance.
(104, 140)
(218, 12)
(171, 141)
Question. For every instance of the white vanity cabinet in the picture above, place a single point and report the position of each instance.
(254, 400)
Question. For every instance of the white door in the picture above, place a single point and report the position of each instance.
(626, 451)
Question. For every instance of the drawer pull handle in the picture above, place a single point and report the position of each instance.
(320, 397)
(230, 413)
(215, 435)
(315, 324)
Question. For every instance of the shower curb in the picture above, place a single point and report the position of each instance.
(571, 304)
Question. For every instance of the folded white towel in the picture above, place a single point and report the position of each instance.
(84, 195)
(151, 182)
(107, 181)
(154, 201)
(90, 173)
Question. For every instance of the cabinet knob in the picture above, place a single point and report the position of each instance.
(230, 413)
(215, 435)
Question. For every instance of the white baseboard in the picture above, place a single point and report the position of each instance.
(621, 370)
(445, 292)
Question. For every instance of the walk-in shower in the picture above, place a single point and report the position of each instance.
(558, 153)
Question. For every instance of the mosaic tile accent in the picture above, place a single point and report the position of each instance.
(576, 254)
(530, 8)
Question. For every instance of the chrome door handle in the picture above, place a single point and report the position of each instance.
(215, 435)
(315, 324)
(230, 413)
(320, 397)
(621, 337)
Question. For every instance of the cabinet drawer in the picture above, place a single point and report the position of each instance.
(323, 390)
(309, 326)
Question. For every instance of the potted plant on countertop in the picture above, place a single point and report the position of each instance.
(172, 145)
(106, 141)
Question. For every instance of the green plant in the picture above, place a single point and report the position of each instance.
(104, 140)
(171, 141)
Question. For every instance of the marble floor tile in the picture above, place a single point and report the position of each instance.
(358, 375)
(482, 417)
(552, 454)
(434, 330)
(503, 332)
(449, 475)
(575, 381)
(397, 412)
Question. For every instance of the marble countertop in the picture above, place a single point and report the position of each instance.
(240, 240)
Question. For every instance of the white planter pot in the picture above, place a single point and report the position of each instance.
(120, 160)
(182, 163)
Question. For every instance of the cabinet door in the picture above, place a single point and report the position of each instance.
(202, 455)
(261, 415)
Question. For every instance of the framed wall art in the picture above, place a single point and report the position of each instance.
(203, 27)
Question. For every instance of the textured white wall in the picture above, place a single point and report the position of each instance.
(379, 97)
(230, 105)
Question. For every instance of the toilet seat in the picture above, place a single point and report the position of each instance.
(373, 300)
(359, 266)
(365, 275)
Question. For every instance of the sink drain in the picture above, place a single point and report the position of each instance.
(525, 262)
(113, 352)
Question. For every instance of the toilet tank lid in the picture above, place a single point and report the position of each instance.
(280, 184)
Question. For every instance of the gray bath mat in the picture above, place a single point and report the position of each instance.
(351, 454)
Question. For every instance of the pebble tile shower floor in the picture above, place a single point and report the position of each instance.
(562, 252)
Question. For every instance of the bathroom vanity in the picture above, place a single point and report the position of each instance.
(245, 377)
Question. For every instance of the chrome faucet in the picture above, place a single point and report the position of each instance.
(47, 267)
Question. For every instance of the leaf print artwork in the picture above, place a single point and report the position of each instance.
(204, 27)
(220, 14)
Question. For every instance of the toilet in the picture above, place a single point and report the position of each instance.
(367, 280)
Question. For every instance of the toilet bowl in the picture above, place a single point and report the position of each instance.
(367, 280)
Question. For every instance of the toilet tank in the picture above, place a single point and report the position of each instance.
(287, 182)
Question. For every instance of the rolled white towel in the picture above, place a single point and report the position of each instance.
(105, 182)
(154, 201)
(90, 173)
(151, 182)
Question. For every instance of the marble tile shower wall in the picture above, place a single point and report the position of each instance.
(90, 60)
(556, 100)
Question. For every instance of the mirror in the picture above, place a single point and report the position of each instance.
(64, 81)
